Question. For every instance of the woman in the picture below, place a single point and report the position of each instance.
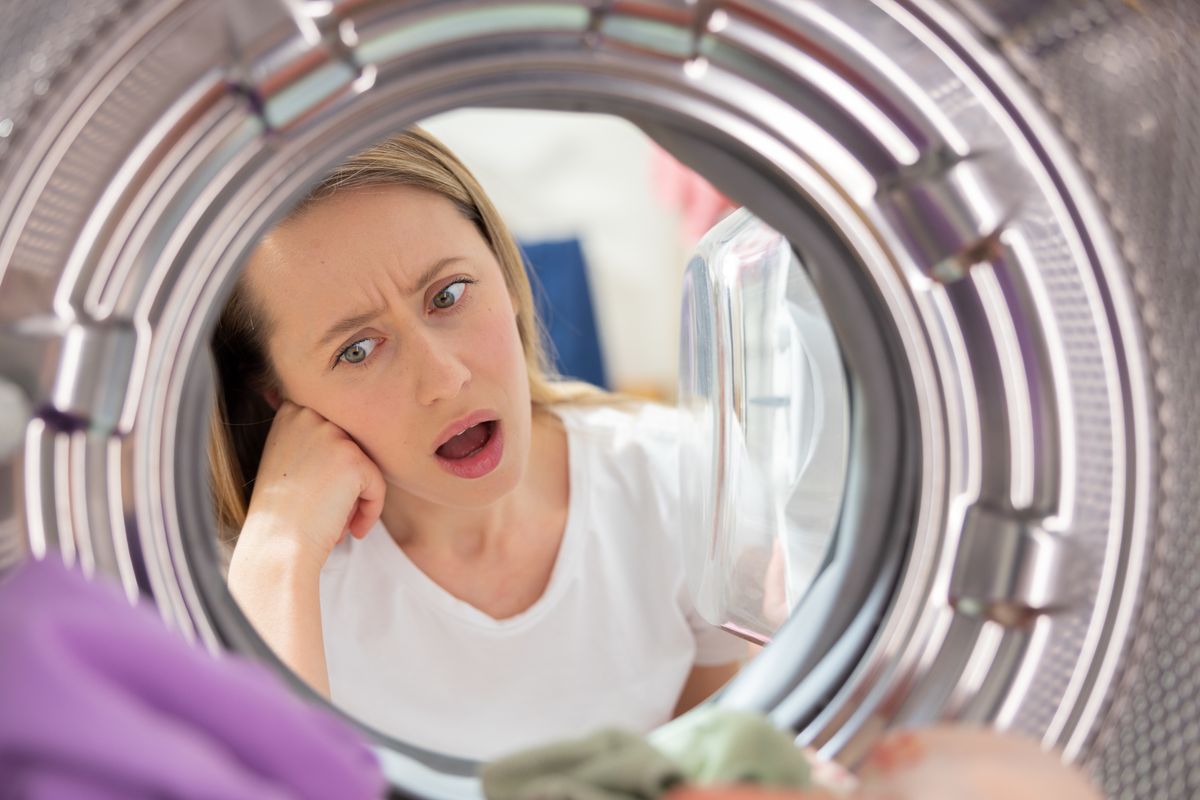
(512, 571)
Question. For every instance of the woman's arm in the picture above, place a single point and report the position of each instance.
(314, 485)
(279, 592)
(701, 684)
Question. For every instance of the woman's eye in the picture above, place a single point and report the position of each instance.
(358, 352)
(450, 295)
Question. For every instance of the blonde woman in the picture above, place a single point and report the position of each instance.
(428, 530)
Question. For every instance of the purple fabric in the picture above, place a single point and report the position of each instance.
(99, 700)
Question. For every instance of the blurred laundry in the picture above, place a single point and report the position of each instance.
(708, 746)
(609, 764)
(724, 754)
(100, 700)
(727, 745)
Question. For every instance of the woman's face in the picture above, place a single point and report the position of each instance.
(390, 317)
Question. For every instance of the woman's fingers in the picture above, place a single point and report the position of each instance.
(371, 493)
(370, 501)
(316, 482)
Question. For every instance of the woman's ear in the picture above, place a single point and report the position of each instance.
(273, 398)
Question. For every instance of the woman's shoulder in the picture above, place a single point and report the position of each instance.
(626, 450)
(622, 418)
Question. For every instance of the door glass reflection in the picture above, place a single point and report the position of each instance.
(764, 386)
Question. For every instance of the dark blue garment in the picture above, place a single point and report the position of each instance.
(564, 303)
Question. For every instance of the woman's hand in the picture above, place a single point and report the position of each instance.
(314, 485)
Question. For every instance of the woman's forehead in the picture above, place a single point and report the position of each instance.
(367, 215)
(390, 227)
(347, 249)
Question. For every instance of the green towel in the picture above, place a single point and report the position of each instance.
(607, 765)
(708, 745)
(725, 745)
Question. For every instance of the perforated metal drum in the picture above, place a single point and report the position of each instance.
(994, 201)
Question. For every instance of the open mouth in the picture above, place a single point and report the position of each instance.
(474, 452)
(469, 442)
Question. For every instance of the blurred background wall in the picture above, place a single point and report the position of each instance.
(562, 175)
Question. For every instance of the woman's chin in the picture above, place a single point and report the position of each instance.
(480, 494)
(450, 491)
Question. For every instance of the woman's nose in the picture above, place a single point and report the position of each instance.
(440, 373)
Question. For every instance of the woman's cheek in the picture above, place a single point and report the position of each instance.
(500, 349)
(371, 417)
(395, 458)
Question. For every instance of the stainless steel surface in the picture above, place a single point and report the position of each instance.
(1121, 81)
(1009, 569)
(996, 211)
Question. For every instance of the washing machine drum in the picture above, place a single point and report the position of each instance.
(994, 200)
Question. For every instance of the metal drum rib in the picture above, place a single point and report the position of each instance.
(1012, 310)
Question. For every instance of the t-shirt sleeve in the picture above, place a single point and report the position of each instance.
(715, 645)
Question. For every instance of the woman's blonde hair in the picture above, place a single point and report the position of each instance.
(241, 415)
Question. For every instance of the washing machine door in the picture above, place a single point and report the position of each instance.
(765, 455)
(993, 200)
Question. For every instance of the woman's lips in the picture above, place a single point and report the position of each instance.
(460, 425)
(481, 461)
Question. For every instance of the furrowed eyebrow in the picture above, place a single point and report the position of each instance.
(344, 326)
(431, 273)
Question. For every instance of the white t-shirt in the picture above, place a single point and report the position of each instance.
(610, 642)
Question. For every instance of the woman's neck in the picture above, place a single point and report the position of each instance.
(499, 559)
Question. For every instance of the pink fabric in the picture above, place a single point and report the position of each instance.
(699, 204)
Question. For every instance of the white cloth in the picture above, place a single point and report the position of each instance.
(610, 642)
